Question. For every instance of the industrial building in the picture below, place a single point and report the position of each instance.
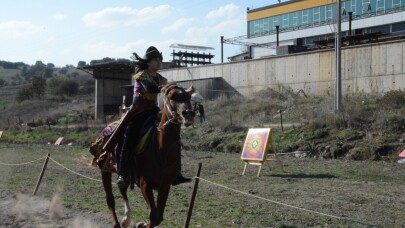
(307, 23)
(305, 26)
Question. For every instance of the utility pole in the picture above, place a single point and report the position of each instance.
(222, 49)
(338, 42)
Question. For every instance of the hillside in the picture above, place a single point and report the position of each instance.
(9, 75)
(50, 107)
(371, 127)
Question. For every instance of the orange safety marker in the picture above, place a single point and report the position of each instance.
(58, 141)
(402, 154)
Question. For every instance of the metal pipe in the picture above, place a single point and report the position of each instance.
(338, 92)
(350, 23)
(277, 30)
(222, 49)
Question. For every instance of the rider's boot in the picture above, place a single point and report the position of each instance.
(180, 179)
(124, 163)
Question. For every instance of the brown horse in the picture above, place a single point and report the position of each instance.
(156, 168)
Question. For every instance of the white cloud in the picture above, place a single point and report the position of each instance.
(224, 11)
(227, 28)
(17, 29)
(108, 49)
(180, 23)
(59, 17)
(113, 50)
(126, 16)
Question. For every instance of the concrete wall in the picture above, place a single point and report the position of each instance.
(371, 68)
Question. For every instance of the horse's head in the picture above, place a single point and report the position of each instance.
(177, 104)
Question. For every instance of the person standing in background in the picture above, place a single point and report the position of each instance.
(202, 113)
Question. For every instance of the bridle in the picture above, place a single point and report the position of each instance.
(174, 118)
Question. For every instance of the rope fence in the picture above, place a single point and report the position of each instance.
(59, 164)
(284, 204)
(74, 172)
(210, 182)
(19, 164)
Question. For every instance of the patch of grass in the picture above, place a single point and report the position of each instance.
(282, 140)
(316, 134)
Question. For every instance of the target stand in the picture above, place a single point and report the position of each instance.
(255, 148)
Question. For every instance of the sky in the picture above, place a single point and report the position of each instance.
(68, 31)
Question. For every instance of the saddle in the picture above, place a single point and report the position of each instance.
(107, 160)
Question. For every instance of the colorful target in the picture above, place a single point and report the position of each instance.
(256, 143)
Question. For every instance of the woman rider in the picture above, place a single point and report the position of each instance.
(147, 83)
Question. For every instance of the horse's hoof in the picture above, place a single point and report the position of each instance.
(140, 225)
(125, 222)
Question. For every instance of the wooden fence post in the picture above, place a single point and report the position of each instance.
(42, 173)
(190, 208)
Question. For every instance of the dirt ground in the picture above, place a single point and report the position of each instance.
(26, 211)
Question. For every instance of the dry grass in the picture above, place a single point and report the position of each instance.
(309, 123)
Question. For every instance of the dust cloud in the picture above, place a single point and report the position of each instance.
(32, 211)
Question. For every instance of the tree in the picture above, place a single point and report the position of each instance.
(69, 88)
(24, 71)
(81, 64)
(53, 84)
(63, 70)
(50, 65)
(39, 66)
(38, 86)
(25, 93)
(2, 82)
(48, 72)
(107, 60)
(62, 87)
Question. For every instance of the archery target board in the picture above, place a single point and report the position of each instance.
(256, 143)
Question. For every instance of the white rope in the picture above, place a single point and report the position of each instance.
(284, 204)
(25, 163)
(74, 171)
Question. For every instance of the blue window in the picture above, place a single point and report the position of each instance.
(285, 21)
(305, 17)
(294, 19)
(317, 15)
(398, 27)
(396, 4)
(380, 6)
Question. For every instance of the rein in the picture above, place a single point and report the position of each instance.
(174, 118)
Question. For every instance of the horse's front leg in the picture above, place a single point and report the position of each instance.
(163, 194)
(106, 178)
(126, 220)
(147, 193)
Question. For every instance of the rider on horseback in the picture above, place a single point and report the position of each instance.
(147, 84)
